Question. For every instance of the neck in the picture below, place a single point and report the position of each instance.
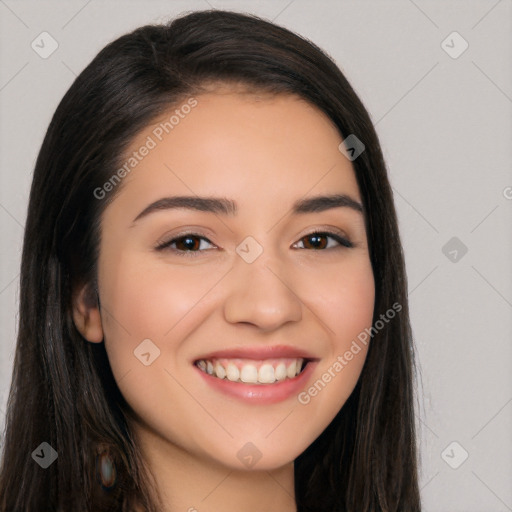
(192, 483)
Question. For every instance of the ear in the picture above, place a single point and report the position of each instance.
(86, 313)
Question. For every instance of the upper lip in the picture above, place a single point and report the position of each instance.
(258, 352)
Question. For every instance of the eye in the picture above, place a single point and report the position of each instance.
(186, 243)
(318, 240)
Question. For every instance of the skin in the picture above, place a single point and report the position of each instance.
(264, 153)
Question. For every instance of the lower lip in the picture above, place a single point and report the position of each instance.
(261, 393)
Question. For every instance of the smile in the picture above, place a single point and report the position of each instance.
(249, 371)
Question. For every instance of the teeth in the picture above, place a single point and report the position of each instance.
(232, 372)
(292, 370)
(266, 374)
(280, 371)
(220, 371)
(250, 373)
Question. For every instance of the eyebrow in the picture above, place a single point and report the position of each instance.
(220, 205)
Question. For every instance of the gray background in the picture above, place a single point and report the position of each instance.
(445, 125)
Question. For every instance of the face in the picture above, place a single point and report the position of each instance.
(210, 308)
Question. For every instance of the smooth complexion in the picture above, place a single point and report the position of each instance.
(263, 153)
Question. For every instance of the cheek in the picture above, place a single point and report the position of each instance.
(151, 297)
(160, 303)
(346, 309)
(346, 303)
(142, 301)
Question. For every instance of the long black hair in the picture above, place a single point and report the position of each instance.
(63, 392)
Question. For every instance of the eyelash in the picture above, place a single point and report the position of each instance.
(343, 242)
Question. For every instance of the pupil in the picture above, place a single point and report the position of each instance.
(316, 241)
(189, 242)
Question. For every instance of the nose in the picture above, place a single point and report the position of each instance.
(261, 293)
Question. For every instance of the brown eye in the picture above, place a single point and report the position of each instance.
(188, 243)
(320, 240)
(315, 241)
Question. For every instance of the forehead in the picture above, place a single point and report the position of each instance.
(253, 147)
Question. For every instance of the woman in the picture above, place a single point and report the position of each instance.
(213, 296)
